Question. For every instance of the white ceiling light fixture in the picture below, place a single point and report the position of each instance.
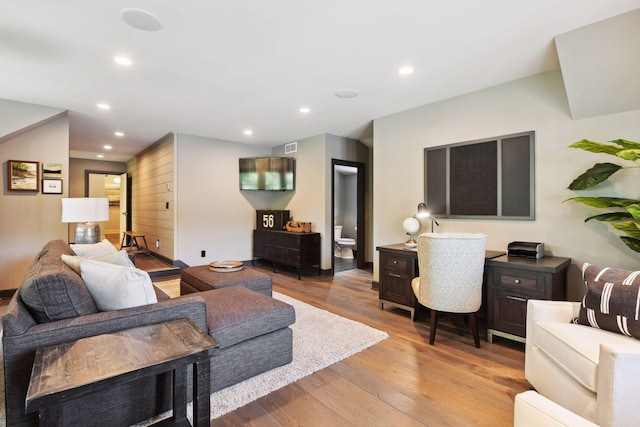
(123, 60)
(248, 132)
(107, 147)
(121, 134)
(405, 71)
(103, 106)
(304, 110)
(346, 93)
(140, 19)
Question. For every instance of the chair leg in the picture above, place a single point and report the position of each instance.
(434, 325)
(474, 329)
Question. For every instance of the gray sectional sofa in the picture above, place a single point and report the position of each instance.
(252, 331)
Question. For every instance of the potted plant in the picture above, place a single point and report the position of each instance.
(625, 213)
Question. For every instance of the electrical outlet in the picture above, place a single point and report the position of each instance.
(158, 243)
(203, 253)
(166, 205)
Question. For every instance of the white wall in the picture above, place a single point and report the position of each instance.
(536, 103)
(212, 214)
(28, 220)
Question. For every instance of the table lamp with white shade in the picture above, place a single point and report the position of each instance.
(86, 211)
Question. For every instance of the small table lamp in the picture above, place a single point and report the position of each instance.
(86, 211)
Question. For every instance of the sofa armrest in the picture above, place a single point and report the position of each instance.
(533, 410)
(618, 386)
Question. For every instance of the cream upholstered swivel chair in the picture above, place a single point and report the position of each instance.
(451, 267)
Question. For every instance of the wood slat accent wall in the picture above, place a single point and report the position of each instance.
(153, 196)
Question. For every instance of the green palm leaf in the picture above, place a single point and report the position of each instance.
(610, 217)
(634, 210)
(600, 172)
(624, 143)
(595, 147)
(604, 202)
(633, 244)
(631, 154)
(630, 228)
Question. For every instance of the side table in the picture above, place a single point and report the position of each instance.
(64, 372)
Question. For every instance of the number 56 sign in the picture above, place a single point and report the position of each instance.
(271, 220)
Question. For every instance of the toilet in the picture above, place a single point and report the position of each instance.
(343, 247)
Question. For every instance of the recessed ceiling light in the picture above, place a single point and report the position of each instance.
(346, 93)
(304, 109)
(119, 133)
(140, 19)
(405, 71)
(103, 106)
(248, 132)
(123, 60)
(100, 156)
(107, 147)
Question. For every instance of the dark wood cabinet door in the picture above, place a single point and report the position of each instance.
(509, 312)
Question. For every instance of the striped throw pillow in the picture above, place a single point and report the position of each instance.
(612, 301)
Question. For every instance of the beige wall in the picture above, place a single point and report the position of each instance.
(536, 103)
(312, 199)
(212, 214)
(28, 219)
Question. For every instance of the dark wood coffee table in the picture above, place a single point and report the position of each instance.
(64, 372)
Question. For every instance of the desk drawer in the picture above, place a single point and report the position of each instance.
(511, 279)
(397, 264)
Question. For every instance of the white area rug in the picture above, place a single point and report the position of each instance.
(320, 339)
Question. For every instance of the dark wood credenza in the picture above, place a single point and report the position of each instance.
(508, 283)
(287, 248)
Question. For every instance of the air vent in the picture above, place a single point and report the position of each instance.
(291, 147)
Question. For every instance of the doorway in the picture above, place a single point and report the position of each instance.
(347, 215)
(115, 186)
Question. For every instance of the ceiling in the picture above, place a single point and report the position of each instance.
(218, 68)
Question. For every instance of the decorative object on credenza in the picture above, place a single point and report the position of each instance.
(533, 250)
(423, 212)
(226, 266)
(626, 214)
(23, 175)
(412, 226)
(298, 226)
(51, 186)
(86, 211)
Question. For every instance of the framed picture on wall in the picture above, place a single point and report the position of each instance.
(51, 186)
(51, 170)
(23, 175)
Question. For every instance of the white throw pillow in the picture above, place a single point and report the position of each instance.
(114, 287)
(118, 258)
(93, 250)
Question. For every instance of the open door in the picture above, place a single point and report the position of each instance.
(125, 220)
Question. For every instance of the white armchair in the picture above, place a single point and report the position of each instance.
(589, 371)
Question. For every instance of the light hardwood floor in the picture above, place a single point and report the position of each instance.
(402, 381)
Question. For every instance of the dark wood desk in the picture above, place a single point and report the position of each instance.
(398, 266)
(64, 372)
(508, 283)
